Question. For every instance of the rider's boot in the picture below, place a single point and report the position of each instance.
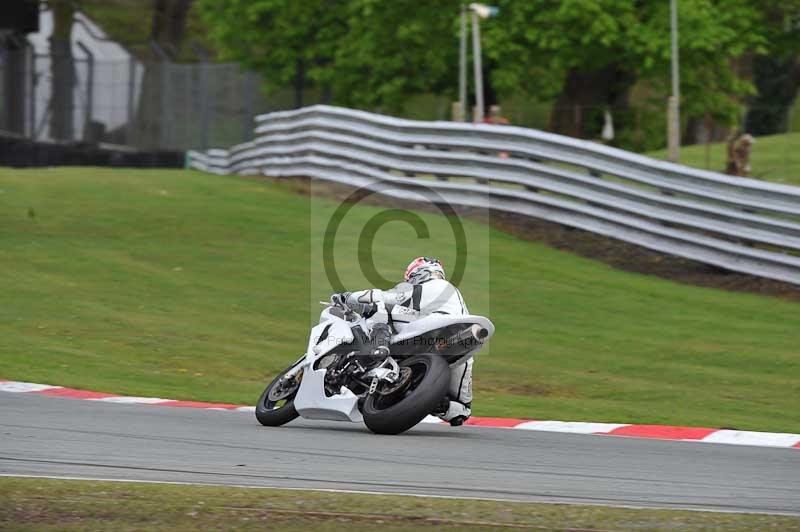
(457, 408)
(457, 413)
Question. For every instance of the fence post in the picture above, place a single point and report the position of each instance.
(131, 88)
(13, 90)
(164, 117)
(32, 94)
(87, 127)
(205, 117)
(249, 105)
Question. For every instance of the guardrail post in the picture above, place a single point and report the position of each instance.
(205, 105)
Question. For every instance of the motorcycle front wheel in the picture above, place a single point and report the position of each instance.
(397, 409)
(275, 407)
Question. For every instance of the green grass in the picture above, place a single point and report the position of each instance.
(774, 158)
(45, 504)
(187, 285)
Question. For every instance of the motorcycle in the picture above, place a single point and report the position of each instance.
(338, 377)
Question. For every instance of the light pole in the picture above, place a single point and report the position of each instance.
(462, 66)
(674, 106)
(478, 11)
(476, 58)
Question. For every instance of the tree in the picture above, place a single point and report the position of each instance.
(363, 52)
(290, 42)
(776, 74)
(589, 54)
(394, 50)
(169, 24)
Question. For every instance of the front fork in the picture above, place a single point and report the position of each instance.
(295, 369)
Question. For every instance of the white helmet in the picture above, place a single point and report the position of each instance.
(422, 268)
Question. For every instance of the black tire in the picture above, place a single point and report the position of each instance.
(398, 412)
(268, 413)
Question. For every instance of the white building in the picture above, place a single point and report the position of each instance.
(108, 79)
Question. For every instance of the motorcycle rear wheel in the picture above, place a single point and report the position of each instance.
(408, 405)
(272, 412)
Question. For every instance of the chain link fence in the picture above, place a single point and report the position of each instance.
(146, 105)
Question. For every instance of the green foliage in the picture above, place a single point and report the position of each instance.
(130, 23)
(370, 53)
(782, 27)
(396, 49)
(378, 54)
(401, 57)
(275, 36)
(535, 44)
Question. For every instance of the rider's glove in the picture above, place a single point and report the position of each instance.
(340, 300)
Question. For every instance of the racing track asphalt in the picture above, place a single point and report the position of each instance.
(53, 436)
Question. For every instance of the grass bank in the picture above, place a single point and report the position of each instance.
(774, 158)
(187, 285)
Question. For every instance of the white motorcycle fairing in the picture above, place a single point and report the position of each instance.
(311, 401)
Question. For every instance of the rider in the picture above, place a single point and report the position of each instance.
(425, 292)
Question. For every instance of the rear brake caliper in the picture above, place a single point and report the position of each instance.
(388, 371)
(400, 383)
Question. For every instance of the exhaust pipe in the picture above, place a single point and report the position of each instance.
(476, 333)
(479, 333)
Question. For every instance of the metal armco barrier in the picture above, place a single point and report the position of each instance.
(742, 225)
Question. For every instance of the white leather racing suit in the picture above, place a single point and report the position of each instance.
(408, 302)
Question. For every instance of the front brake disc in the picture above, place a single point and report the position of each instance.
(284, 389)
